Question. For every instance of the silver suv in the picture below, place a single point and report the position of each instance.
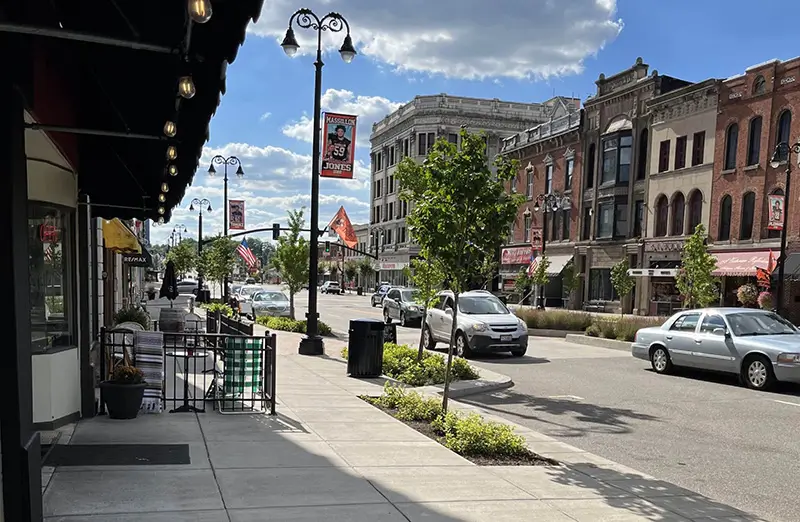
(484, 324)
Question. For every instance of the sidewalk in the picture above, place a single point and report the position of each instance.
(328, 455)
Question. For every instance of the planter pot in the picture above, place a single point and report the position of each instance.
(122, 400)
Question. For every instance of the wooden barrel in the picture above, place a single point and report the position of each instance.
(171, 320)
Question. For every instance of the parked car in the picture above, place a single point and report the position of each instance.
(483, 324)
(759, 346)
(188, 286)
(250, 281)
(271, 303)
(380, 293)
(330, 287)
(401, 304)
(242, 299)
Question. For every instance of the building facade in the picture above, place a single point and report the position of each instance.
(550, 164)
(757, 111)
(680, 172)
(411, 131)
(616, 146)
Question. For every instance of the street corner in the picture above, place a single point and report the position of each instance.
(489, 381)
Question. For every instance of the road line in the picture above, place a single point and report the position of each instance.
(787, 402)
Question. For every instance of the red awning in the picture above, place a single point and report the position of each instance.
(740, 263)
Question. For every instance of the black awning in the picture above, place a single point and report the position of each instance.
(145, 259)
(791, 267)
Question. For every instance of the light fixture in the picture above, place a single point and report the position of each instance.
(347, 51)
(200, 10)
(172, 152)
(779, 155)
(164, 187)
(209, 208)
(536, 206)
(289, 44)
(239, 171)
(162, 198)
(186, 87)
(173, 170)
(161, 211)
(211, 170)
(527, 212)
(161, 221)
(191, 207)
(170, 129)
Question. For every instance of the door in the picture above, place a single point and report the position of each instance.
(714, 351)
(446, 323)
(391, 304)
(680, 339)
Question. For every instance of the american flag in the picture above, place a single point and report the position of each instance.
(246, 254)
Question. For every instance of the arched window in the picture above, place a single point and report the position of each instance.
(662, 215)
(641, 167)
(784, 131)
(695, 210)
(759, 86)
(678, 211)
(773, 234)
(731, 144)
(725, 214)
(590, 167)
(754, 141)
(748, 212)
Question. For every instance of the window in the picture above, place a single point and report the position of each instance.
(725, 213)
(662, 216)
(617, 159)
(590, 167)
(621, 221)
(754, 141)
(391, 210)
(391, 184)
(641, 168)
(698, 148)
(391, 156)
(587, 224)
(731, 144)
(529, 184)
(554, 225)
(784, 129)
(686, 323)
(566, 218)
(452, 138)
(548, 179)
(568, 174)
(748, 211)
(527, 234)
(695, 210)
(605, 220)
(775, 234)
(405, 147)
(389, 236)
(422, 144)
(378, 161)
(600, 287)
(680, 152)
(638, 218)
(663, 156)
(678, 211)
(759, 86)
(51, 269)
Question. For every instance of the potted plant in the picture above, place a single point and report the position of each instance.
(766, 301)
(132, 315)
(123, 393)
(747, 294)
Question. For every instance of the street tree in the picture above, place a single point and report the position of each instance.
(622, 282)
(291, 257)
(351, 271)
(184, 256)
(460, 212)
(523, 284)
(426, 276)
(366, 270)
(696, 284)
(218, 259)
(540, 278)
(571, 280)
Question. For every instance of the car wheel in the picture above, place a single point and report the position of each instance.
(462, 346)
(428, 342)
(403, 319)
(660, 360)
(372, 302)
(386, 318)
(518, 353)
(757, 373)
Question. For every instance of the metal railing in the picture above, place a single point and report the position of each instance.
(218, 323)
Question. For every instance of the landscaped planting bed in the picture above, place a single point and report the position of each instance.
(619, 328)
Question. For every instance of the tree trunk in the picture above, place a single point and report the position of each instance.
(453, 330)
(291, 304)
(422, 333)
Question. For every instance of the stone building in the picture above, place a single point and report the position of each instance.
(411, 131)
(615, 144)
(550, 166)
(757, 110)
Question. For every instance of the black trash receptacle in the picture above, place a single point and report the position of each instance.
(365, 348)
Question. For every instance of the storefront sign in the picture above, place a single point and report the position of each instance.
(664, 246)
(515, 256)
(653, 272)
(392, 266)
(776, 210)
(134, 259)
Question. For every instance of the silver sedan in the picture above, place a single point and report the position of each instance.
(271, 303)
(759, 346)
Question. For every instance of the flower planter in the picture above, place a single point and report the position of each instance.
(122, 400)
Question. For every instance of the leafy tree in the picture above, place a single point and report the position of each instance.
(696, 285)
(333, 269)
(460, 212)
(184, 256)
(622, 282)
(539, 276)
(523, 284)
(291, 257)
(218, 259)
(351, 270)
(571, 279)
(426, 276)
(366, 270)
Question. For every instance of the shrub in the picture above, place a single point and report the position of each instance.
(593, 331)
(127, 375)
(132, 315)
(747, 294)
(556, 319)
(473, 435)
(400, 362)
(223, 309)
(766, 301)
(290, 325)
(607, 329)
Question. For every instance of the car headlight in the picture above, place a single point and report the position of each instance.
(479, 327)
(789, 358)
(523, 325)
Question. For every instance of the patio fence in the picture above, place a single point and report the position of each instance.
(218, 323)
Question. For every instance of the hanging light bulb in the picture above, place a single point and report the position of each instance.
(186, 87)
(162, 198)
(160, 221)
(170, 129)
(161, 211)
(200, 10)
(164, 187)
(172, 152)
(173, 170)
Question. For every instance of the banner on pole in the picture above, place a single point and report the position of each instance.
(536, 239)
(236, 214)
(338, 153)
(776, 209)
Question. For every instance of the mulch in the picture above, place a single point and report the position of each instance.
(528, 458)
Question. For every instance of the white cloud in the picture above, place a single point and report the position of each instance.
(463, 38)
(265, 116)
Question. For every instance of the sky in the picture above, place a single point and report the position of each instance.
(514, 50)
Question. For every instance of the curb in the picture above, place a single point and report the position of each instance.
(611, 344)
(547, 332)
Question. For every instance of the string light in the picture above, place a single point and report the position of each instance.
(172, 152)
(173, 170)
(186, 87)
(170, 129)
(200, 10)
(164, 187)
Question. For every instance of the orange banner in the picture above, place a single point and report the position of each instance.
(344, 228)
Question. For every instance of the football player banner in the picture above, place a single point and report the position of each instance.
(338, 152)
(776, 210)
(236, 214)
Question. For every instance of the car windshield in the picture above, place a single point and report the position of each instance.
(332, 283)
(247, 290)
(383, 289)
(481, 305)
(270, 296)
(410, 296)
(760, 323)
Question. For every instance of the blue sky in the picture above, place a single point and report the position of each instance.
(515, 50)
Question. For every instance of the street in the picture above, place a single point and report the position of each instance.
(699, 431)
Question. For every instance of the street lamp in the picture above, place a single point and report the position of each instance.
(225, 162)
(547, 203)
(177, 234)
(312, 343)
(201, 204)
(783, 154)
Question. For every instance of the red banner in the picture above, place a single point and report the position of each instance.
(236, 214)
(339, 149)
(515, 256)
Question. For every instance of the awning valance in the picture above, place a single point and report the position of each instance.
(740, 263)
(119, 238)
(557, 264)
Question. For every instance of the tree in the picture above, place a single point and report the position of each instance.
(333, 269)
(426, 276)
(184, 256)
(218, 259)
(622, 282)
(291, 257)
(350, 270)
(570, 279)
(696, 285)
(460, 212)
(523, 284)
(366, 270)
(539, 276)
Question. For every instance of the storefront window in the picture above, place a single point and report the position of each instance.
(600, 287)
(50, 292)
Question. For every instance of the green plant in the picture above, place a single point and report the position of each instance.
(522, 284)
(556, 319)
(747, 294)
(539, 276)
(218, 259)
(366, 270)
(766, 301)
(350, 271)
(570, 279)
(474, 436)
(132, 315)
(184, 256)
(291, 258)
(426, 275)
(608, 328)
(400, 362)
(625, 329)
(124, 374)
(623, 282)
(593, 330)
(287, 324)
(697, 287)
(223, 309)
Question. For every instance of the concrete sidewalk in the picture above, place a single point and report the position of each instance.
(328, 455)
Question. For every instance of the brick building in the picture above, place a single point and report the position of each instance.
(550, 164)
(755, 114)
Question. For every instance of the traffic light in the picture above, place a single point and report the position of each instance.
(276, 231)
(327, 246)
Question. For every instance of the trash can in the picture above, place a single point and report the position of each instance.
(360, 290)
(365, 348)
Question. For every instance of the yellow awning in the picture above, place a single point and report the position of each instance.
(119, 238)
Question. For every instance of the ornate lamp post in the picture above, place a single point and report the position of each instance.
(312, 343)
(201, 204)
(177, 234)
(225, 162)
(547, 203)
(783, 154)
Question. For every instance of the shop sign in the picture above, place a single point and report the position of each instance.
(392, 266)
(653, 272)
(664, 246)
(134, 259)
(515, 256)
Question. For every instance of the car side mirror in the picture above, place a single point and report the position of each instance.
(448, 311)
(722, 332)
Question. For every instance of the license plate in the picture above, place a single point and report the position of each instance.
(505, 338)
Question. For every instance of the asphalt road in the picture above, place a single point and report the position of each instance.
(699, 431)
